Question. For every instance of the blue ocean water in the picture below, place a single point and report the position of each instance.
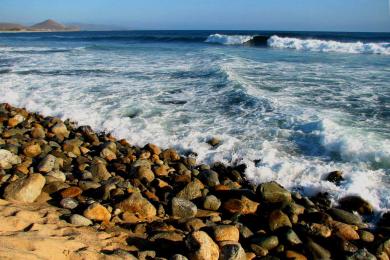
(292, 106)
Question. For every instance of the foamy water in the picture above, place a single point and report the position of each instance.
(299, 115)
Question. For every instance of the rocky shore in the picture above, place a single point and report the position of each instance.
(169, 206)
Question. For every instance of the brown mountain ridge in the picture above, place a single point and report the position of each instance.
(45, 26)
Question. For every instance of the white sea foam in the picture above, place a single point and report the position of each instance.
(140, 102)
(328, 46)
(229, 39)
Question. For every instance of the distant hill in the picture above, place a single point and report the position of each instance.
(11, 27)
(45, 26)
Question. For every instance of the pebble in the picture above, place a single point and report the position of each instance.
(69, 203)
(97, 212)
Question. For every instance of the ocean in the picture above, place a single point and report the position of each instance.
(291, 106)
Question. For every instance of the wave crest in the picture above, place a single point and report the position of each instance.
(328, 45)
(229, 39)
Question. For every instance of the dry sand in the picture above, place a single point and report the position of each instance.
(34, 231)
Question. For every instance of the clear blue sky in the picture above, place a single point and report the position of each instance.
(333, 15)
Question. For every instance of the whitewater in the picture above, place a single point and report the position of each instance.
(292, 108)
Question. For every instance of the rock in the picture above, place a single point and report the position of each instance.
(172, 236)
(47, 164)
(60, 131)
(210, 178)
(202, 247)
(356, 203)
(243, 206)
(8, 159)
(73, 146)
(183, 208)
(211, 202)
(294, 255)
(344, 230)
(383, 250)
(38, 132)
(71, 192)
(178, 257)
(319, 230)
(16, 120)
(278, 219)
(58, 175)
(258, 250)
(32, 150)
(345, 216)
(97, 212)
(335, 177)
(145, 173)
(100, 172)
(25, 190)
(344, 245)
(170, 155)
(55, 186)
(138, 205)
(316, 251)
(362, 254)
(366, 236)
(69, 203)
(271, 192)
(162, 170)
(191, 191)
(267, 242)
(194, 224)
(153, 148)
(108, 154)
(232, 251)
(226, 233)
(79, 220)
(294, 209)
(214, 141)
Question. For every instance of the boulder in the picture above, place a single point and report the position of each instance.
(183, 208)
(226, 233)
(32, 150)
(278, 219)
(211, 202)
(345, 216)
(138, 205)
(97, 212)
(356, 203)
(192, 190)
(272, 192)
(232, 251)
(47, 164)
(202, 247)
(242, 206)
(60, 131)
(362, 254)
(8, 159)
(25, 190)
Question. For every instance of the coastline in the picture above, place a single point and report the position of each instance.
(162, 196)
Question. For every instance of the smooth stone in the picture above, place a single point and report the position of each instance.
(344, 245)
(25, 190)
(71, 192)
(178, 257)
(183, 208)
(55, 186)
(58, 175)
(108, 154)
(211, 202)
(145, 173)
(278, 219)
(60, 131)
(162, 170)
(272, 192)
(153, 148)
(258, 250)
(214, 141)
(356, 203)
(170, 155)
(292, 237)
(383, 250)
(267, 242)
(100, 172)
(202, 247)
(69, 203)
(232, 251)
(316, 251)
(362, 254)
(335, 177)
(8, 159)
(319, 230)
(366, 236)
(73, 146)
(15, 120)
(226, 233)
(97, 212)
(38, 132)
(210, 178)
(242, 206)
(344, 230)
(292, 255)
(32, 150)
(345, 216)
(192, 190)
(47, 164)
(138, 205)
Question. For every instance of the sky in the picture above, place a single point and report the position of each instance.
(312, 15)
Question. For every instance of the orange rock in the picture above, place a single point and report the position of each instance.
(14, 121)
(294, 255)
(71, 192)
(226, 233)
(162, 170)
(32, 150)
(170, 155)
(153, 148)
(243, 206)
(97, 212)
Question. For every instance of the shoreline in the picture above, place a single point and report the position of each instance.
(161, 196)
